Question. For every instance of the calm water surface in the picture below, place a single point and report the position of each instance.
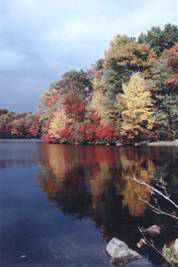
(60, 204)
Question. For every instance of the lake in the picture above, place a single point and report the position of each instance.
(61, 204)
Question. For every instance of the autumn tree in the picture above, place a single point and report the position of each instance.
(171, 56)
(74, 107)
(34, 125)
(48, 102)
(19, 125)
(124, 57)
(98, 106)
(136, 101)
(130, 95)
(5, 124)
(59, 127)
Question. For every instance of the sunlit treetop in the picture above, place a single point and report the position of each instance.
(127, 52)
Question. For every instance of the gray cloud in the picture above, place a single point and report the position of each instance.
(41, 39)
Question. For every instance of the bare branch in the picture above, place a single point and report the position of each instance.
(154, 190)
(151, 244)
(158, 210)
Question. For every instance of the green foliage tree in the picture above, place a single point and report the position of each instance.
(76, 81)
(165, 100)
(160, 39)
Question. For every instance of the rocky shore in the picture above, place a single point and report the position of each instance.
(123, 256)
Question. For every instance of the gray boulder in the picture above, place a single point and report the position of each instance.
(120, 253)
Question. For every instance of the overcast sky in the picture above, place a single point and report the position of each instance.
(41, 39)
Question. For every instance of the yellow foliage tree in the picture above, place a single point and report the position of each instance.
(136, 103)
(59, 122)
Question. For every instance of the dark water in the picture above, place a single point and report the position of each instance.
(61, 204)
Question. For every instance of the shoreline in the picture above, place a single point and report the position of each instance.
(164, 143)
(173, 143)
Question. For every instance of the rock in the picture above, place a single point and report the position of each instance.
(120, 253)
(154, 230)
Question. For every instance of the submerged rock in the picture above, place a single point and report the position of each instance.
(120, 253)
(140, 263)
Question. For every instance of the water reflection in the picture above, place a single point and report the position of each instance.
(69, 169)
(95, 182)
(139, 165)
(90, 183)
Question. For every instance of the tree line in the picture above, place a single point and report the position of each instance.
(19, 125)
(128, 96)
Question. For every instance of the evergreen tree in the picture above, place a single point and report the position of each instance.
(165, 100)
(160, 39)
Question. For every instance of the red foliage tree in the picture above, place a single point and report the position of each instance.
(171, 55)
(74, 107)
(66, 132)
(106, 133)
(35, 128)
(45, 129)
(53, 97)
(88, 132)
(94, 118)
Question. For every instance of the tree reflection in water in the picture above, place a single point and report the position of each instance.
(94, 182)
(139, 165)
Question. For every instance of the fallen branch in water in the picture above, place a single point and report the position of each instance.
(150, 243)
